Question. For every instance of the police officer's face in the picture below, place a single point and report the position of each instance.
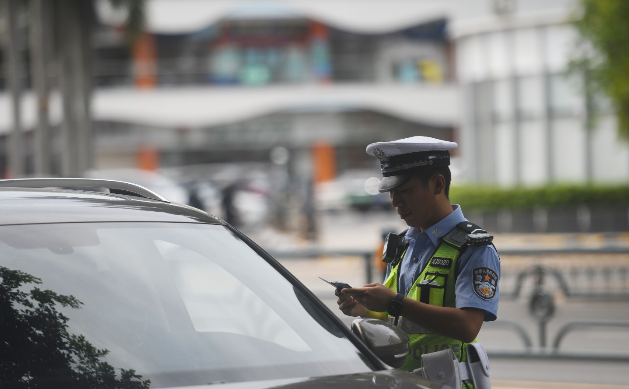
(414, 202)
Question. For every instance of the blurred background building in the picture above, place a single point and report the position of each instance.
(525, 118)
(285, 95)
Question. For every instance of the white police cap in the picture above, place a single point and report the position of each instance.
(400, 159)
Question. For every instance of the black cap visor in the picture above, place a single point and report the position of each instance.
(392, 182)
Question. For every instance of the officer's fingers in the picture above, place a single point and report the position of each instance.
(366, 304)
(343, 297)
(361, 294)
(347, 305)
(349, 301)
(353, 291)
(344, 300)
(352, 309)
(368, 300)
(361, 300)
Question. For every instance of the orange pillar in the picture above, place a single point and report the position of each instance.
(323, 161)
(144, 53)
(148, 158)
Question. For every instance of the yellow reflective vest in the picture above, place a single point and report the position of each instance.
(436, 286)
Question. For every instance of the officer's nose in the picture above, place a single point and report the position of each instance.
(395, 198)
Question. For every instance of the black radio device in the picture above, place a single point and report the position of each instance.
(394, 247)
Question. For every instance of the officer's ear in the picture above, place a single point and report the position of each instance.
(439, 183)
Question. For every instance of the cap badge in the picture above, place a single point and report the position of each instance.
(379, 153)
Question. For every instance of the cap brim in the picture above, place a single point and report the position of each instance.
(393, 182)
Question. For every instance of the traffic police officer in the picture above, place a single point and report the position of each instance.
(442, 275)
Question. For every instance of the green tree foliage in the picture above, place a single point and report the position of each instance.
(604, 53)
(36, 350)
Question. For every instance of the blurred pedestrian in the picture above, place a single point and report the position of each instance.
(230, 213)
(442, 273)
(193, 197)
(309, 220)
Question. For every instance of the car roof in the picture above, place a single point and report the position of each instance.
(31, 206)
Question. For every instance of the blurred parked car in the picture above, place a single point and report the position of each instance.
(239, 193)
(124, 289)
(353, 189)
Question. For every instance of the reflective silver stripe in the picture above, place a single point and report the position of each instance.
(408, 326)
(402, 355)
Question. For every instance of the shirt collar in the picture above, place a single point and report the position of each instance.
(445, 225)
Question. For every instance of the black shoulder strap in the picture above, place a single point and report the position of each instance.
(467, 233)
(469, 227)
(476, 236)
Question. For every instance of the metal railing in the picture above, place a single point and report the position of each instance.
(581, 325)
(568, 277)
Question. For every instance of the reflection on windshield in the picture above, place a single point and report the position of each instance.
(182, 304)
(36, 349)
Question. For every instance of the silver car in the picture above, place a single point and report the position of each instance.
(106, 284)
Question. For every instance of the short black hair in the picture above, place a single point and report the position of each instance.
(425, 175)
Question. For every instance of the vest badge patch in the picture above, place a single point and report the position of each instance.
(441, 262)
(485, 281)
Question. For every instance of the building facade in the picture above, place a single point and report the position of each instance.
(525, 117)
(212, 82)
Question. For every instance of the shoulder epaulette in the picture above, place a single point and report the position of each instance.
(468, 233)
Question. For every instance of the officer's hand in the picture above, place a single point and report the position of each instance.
(375, 297)
(348, 305)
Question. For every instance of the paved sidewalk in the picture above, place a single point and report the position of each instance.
(502, 384)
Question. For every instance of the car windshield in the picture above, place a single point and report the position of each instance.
(174, 303)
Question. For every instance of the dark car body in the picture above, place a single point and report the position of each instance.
(118, 291)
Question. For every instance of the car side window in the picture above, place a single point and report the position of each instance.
(216, 301)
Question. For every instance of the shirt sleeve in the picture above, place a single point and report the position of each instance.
(478, 273)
